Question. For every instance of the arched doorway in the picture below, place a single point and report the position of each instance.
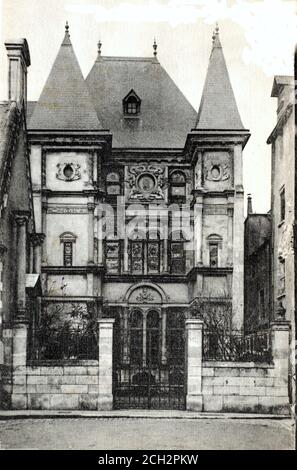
(149, 354)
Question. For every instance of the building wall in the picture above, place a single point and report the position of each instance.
(283, 170)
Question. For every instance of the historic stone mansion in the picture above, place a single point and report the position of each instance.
(130, 244)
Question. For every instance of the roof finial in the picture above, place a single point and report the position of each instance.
(155, 46)
(99, 47)
(217, 29)
(67, 28)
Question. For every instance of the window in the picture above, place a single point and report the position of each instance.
(136, 337)
(145, 337)
(68, 254)
(178, 186)
(213, 255)
(145, 254)
(113, 185)
(282, 204)
(262, 303)
(67, 239)
(131, 104)
(113, 257)
(214, 248)
(177, 254)
(281, 276)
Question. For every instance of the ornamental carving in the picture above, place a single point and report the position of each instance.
(145, 296)
(68, 171)
(146, 182)
(214, 171)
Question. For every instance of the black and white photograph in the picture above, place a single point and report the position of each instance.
(147, 227)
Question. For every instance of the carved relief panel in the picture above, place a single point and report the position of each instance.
(146, 182)
(68, 170)
(216, 171)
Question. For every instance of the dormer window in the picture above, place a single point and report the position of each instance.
(131, 104)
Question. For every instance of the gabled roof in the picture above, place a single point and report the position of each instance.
(65, 103)
(165, 115)
(218, 108)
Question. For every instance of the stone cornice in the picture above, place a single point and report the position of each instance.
(214, 140)
(168, 278)
(73, 269)
(208, 271)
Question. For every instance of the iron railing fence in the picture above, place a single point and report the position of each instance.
(62, 344)
(235, 346)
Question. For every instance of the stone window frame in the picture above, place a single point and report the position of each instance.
(119, 258)
(68, 237)
(113, 179)
(176, 184)
(145, 240)
(181, 241)
(215, 240)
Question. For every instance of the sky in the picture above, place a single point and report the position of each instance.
(258, 39)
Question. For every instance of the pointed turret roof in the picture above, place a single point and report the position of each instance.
(218, 108)
(65, 103)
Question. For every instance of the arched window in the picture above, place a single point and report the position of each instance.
(131, 104)
(67, 240)
(136, 337)
(178, 186)
(177, 253)
(214, 248)
(153, 336)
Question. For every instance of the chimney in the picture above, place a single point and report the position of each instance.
(249, 204)
(19, 59)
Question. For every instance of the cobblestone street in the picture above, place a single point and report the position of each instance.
(146, 434)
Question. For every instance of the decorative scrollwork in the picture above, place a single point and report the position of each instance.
(68, 171)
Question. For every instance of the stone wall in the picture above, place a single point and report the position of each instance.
(243, 387)
(60, 386)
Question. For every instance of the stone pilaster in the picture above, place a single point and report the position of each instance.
(238, 241)
(2, 253)
(44, 228)
(105, 343)
(194, 331)
(198, 230)
(21, 218)
(37, 241)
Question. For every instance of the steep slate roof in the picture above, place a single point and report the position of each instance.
(218, 108)
(64, 103)
(165, 115)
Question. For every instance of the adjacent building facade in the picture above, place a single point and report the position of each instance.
(257, 270)
(20, 288)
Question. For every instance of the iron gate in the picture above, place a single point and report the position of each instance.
(148, 369)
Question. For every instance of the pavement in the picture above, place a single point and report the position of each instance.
(144, 430)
